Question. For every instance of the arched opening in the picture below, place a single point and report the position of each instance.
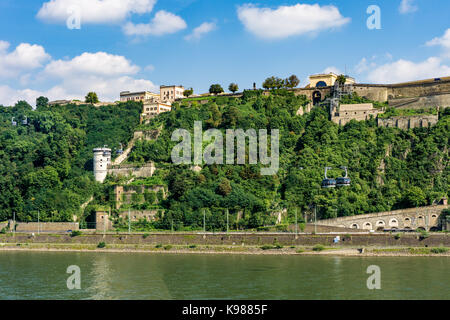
(380, 228)
(420, 221)
(393, 223)
(367, 226)
(317, 97)
(420, 229)
(354, 226)
(434, 229)
(407, 222)
(321, 84)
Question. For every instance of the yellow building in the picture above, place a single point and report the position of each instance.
(326, 80)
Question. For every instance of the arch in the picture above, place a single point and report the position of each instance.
(380, 225)
(407, 222)
(367, 226)
(393, 223)
(354, 226)
(316, 97)
(321, 84)
(420, 221)
(434, 229)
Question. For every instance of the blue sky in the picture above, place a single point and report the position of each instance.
(141, 44)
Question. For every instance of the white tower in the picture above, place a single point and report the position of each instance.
(102, 158)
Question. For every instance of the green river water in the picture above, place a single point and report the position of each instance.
(42, 275)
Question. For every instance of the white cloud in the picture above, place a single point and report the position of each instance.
(25, 57)
(201, 30)
(93, 11)
(407, 6)
(163, 23)
(104, 73)
(332, 70)
(286, 21)
(443, 42)
(404, 70)
(100, 63)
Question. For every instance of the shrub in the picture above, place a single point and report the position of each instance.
(101, 245)
(75, 233)
(158, 246)
(439, 250)
(424, 235)
(3, 231)
(318, 247)
(267, 247)
(193, 246)
(145, 235)
(300, 251)
(397, 236)
(168, 247)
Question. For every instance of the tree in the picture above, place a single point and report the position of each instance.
(215, 89)
(188, 92)
(233, 87)
(91, 98)
(341, 79)
(292, 81)
(41, 102)
(224, 188)
(273, 83)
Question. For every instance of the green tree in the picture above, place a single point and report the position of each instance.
(188, 92)
(91, 98)
(292, 81)
(216, 89)
(224, 188)
(341, 79)
(41, 102)
(233, 87)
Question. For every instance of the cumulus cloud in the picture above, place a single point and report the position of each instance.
(407, 6)
(99, 63)
(25, 57)
(443, 42)
(404, 70)
(104, 73)
(286, 21)
(201, 30)
(93, 11)
(332, 70)
(163, 23)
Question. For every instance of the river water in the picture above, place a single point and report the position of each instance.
(42, 275)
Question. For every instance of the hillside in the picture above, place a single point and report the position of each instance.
(390, 168)
(47, 165)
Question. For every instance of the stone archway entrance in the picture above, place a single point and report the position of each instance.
(317, 97)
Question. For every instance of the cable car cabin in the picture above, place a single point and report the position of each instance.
(119, 152)
(25, 121)
(14, 123)
(329, 183)
(343, 182)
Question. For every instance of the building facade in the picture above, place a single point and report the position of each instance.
(358, 112)
(326, 80)
(138, 96)
(169, 94)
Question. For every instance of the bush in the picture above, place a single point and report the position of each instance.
(318, 247)
(192, 246)
(158, 246)
(397, 236)
(269, 247)
(145, 235)
(424, 235)
(439, 250)
(168, 247)
(75, 233)
(3, 231)
(101, 245)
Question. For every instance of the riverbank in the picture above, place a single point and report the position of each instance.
(234, 250)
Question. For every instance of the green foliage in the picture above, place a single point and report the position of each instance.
(292, 81)
(168, 247)
(233, 87)
(216, 89)
(101, 245)
(91, 98)
(46, 166)
(439, 250)
(76, 233)
(188, 92)
(318, 248)
(395, 112)
(41, 102)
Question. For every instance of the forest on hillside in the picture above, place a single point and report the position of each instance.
(46, 157)
(389, 168)
(46, 165)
